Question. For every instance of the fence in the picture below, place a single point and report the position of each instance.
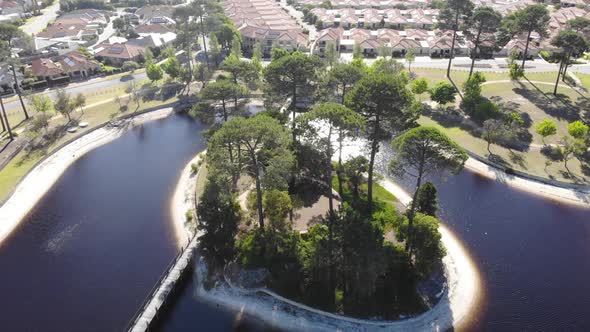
(167, 289)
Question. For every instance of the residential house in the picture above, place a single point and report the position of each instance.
(46, 69)
(117, 54)
(8, 7)
(144, 29)
(325, 37)
(156, 14)
(153, 40)
(517, 46)
(365, 4)
(372, 18)
(289, 40)
(264, 22)
(440, 46)
(56, 45)
(73, 64)
(79, 27)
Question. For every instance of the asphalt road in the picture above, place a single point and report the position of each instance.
(82, 87)
(39, 23)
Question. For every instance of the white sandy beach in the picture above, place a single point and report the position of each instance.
(32, 188)
(183, 200)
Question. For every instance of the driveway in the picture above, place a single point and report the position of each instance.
(37, 23)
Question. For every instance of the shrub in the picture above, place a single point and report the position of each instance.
(443, 93)
(516, 71)
(545, 55)
(195, 167)
(546, 128)
(577, 129)
(130, 66)
(189, 215)
(485, 110)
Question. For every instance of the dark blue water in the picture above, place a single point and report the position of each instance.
(90, 251)
(533, 254)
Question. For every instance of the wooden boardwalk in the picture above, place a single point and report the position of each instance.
(160, 294)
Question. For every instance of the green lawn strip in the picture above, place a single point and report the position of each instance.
(433, 76)
(201, 180)
(538, 102)
(531, 162)
(585, 79)
(94, 116)
(379, 193)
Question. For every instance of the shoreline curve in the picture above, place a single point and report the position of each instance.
(457, 302)
(40, 179)
(563, 193)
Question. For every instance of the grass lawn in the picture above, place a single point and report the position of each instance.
(94, 116)
(585, 78)
(201, 180)
(433, 76)
(15, 116)
(379, 193)
(535, 102)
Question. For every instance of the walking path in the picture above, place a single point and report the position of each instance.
(41, 178)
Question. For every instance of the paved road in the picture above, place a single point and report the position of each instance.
(497, 64)
(37, 24)
(82, 87)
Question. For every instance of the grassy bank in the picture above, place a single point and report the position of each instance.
(535, 102)
(11, 174)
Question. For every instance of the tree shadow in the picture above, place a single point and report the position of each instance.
(497, 159)
(559, 106)
(552, 153)
(8, 142)
(456, 87)
(517, 159)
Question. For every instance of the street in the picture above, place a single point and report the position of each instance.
(36, 24)
(82, 87)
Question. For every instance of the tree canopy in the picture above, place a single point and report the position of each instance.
(387, 106)
(421, 151)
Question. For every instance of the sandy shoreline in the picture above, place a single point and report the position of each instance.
(576, 197)
(40, 179)
(183, 200)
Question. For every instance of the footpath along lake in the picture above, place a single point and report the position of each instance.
(91, 250)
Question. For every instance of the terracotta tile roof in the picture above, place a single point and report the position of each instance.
(121, 51)
(45, 67)
(60, 30)
(330, 34)
(519, 44)
(74, 61)
(406, 43)
(8, 4)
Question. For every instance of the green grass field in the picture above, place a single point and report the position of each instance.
(535, 101)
